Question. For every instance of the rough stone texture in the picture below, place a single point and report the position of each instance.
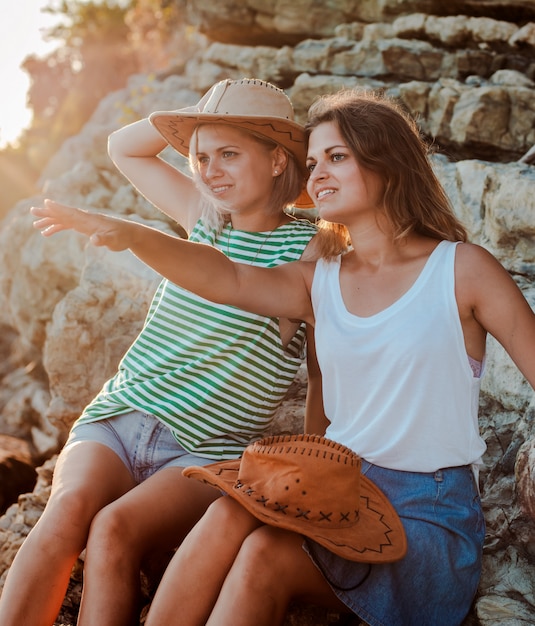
(525, 477)
(17, 473)
(283, 22)
(465, 69)
(97, 318)
(20, 518)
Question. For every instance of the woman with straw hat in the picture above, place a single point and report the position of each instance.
(200, 382)
(387, 522)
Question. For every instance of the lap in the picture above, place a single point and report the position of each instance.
(87, 477)
(144, 444)
(90, 471)
(155, 505)
(437, 579)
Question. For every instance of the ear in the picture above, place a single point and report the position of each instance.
(280, 161)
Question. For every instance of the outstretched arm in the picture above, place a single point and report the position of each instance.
(279, 292)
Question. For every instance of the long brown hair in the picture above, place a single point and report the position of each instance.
(385, 139)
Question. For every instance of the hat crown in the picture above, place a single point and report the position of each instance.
(248, 98)
(311, 479)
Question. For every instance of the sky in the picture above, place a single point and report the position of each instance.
(20, 35)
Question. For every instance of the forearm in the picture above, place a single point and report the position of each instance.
(136, 140)
(196, 267)
(134, 149)
(207, 272)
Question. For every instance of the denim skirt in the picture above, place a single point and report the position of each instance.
(435, 583)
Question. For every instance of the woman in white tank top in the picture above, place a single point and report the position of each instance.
(400, 324)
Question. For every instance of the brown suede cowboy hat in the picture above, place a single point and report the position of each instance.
(312, 486)
(251, 104)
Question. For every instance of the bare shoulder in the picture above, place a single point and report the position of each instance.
(478, 274)
(472, 260)
(469, 252)
(298, 274)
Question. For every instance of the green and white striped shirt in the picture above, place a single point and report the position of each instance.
(214, 374)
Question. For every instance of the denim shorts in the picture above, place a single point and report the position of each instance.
(435, 583)
(143, 443)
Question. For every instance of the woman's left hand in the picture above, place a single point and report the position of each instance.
(102, 230)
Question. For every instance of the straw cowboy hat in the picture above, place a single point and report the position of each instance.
(251, 104)
(312, 486)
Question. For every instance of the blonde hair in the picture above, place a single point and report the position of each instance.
(386, 140)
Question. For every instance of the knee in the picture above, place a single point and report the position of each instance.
(222, 511)
(63, 526)
(66, 514)
(110, 531)
(261, 559)
(225, 513)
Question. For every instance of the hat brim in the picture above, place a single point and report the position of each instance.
(177, 127)
(386, 543)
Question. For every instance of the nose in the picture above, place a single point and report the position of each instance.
(212, 169)
(318, 173)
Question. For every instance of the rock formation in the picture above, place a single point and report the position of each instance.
(17, 472)
(465, 69)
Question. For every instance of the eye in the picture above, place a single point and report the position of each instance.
(310, 166)
(202, 160)
(228, 154)
(337, 156)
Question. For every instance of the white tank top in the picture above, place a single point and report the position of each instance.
(397, 386)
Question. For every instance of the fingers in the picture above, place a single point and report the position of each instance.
(102, 230)
(41, 212)
(52, 208)
(47, 226)
(54, 217)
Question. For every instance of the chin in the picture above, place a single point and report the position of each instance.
(329, 215)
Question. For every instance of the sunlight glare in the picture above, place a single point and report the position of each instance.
(20, 36)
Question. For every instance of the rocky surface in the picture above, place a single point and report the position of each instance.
(465, 69)
(17, 472)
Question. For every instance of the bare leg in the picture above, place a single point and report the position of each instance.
(191, 583)
(153, 517)
(270, 570)
(87, 477)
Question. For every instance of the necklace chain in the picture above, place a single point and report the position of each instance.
(264, 241)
